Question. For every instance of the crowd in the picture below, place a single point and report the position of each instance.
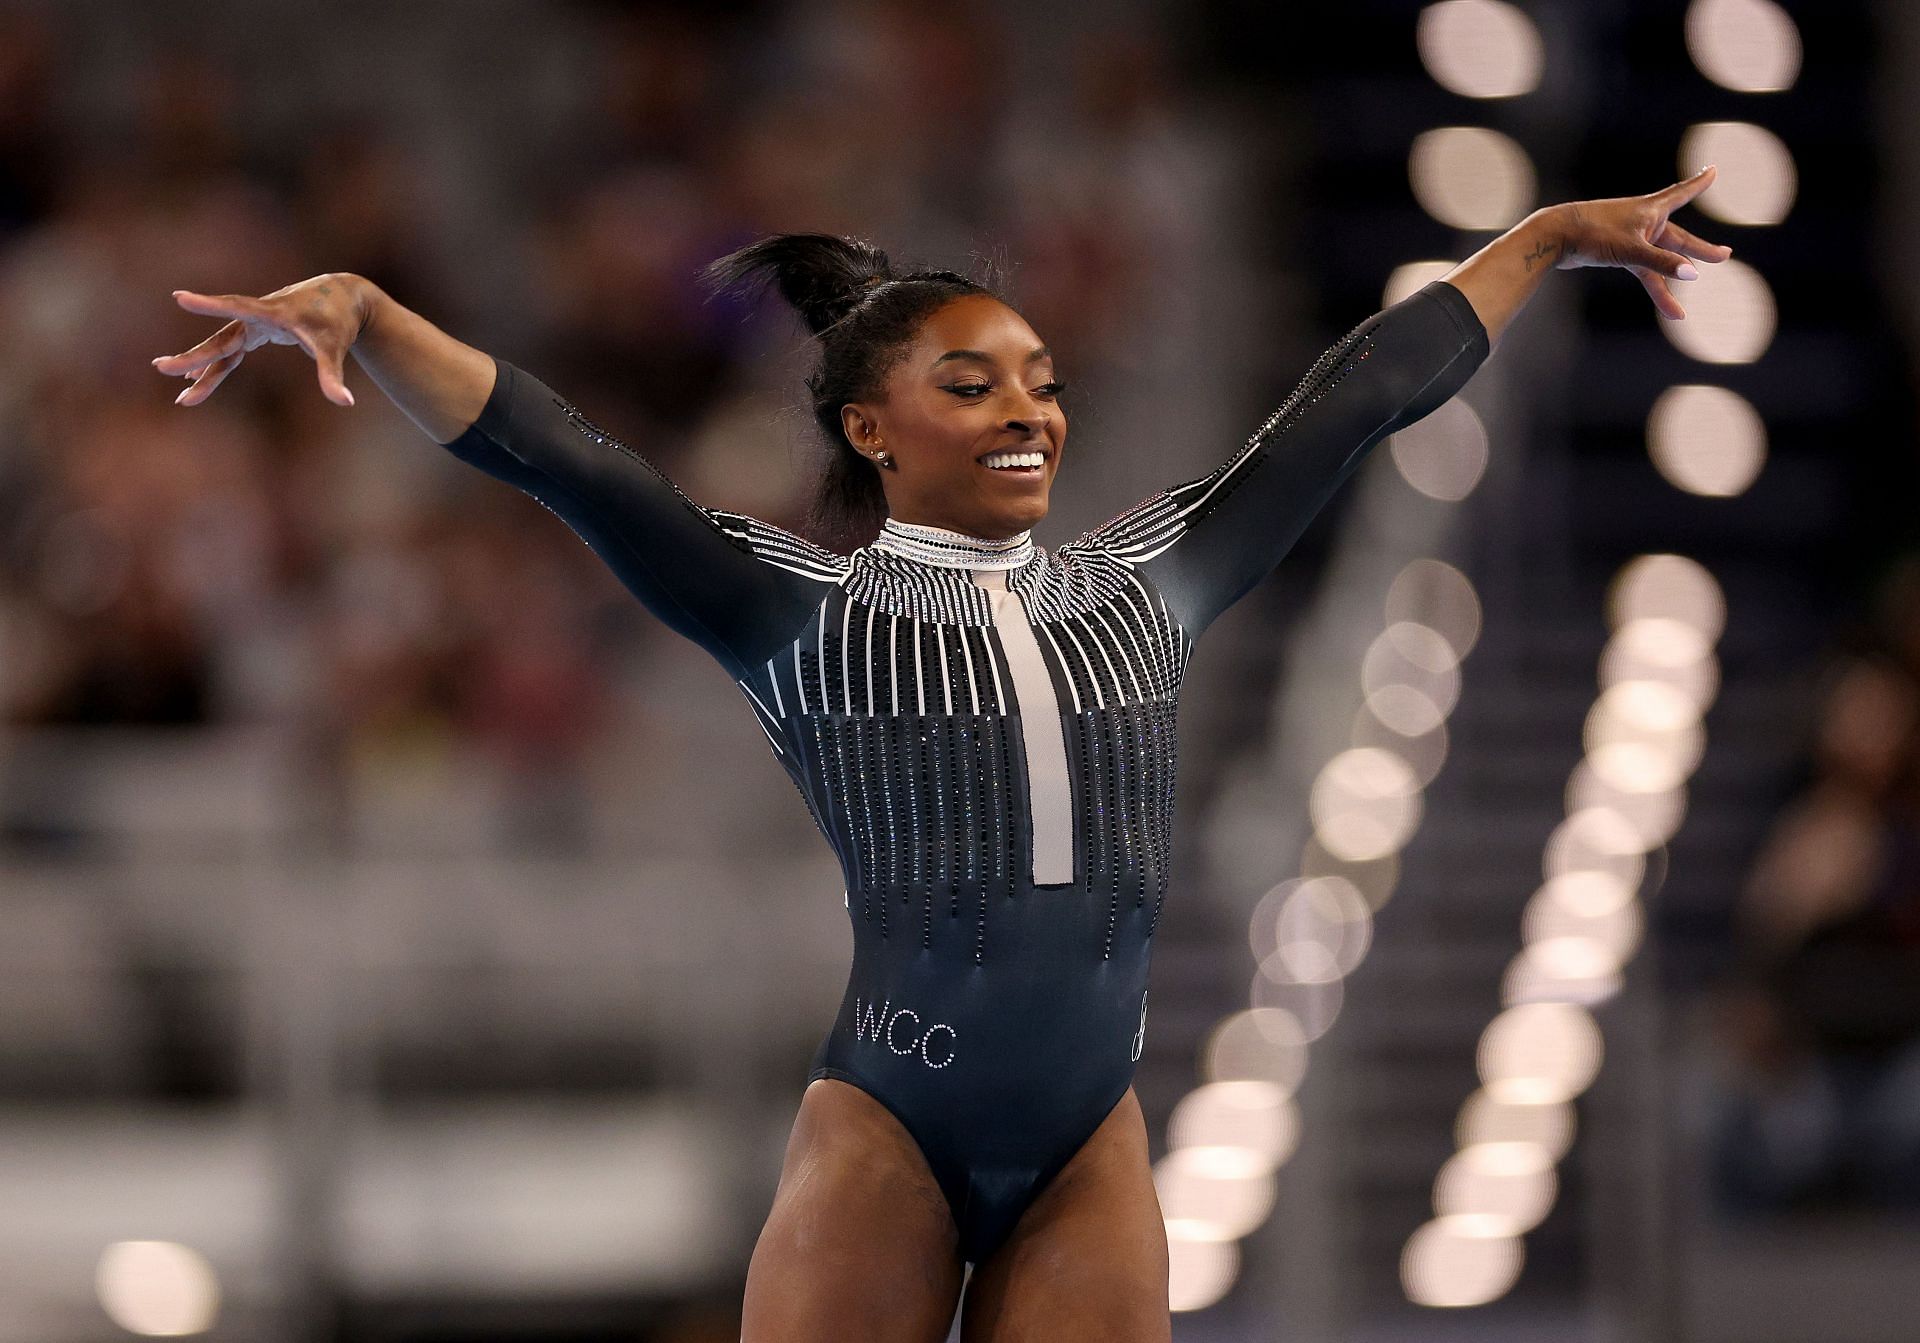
(1821, 1017)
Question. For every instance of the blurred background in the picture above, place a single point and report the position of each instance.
(404, 937)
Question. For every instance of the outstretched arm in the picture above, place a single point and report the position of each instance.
(732, 584)
(1631, 232)
(1208, 541)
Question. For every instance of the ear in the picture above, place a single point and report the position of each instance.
(861, 428)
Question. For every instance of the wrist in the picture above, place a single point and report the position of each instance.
(1549, 236)
(367, 298)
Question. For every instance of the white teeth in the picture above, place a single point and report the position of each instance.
(1000, 459)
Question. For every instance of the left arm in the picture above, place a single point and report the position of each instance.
(1207, 541)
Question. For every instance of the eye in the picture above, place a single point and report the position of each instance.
(1050, 389)
(966, 389)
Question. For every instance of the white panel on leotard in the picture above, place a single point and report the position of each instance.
(1049, 789)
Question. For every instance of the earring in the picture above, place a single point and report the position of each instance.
(880, 457)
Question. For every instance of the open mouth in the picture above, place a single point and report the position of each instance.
(1015, 463)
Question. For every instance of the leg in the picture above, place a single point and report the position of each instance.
(1088, 1259)
(860, 1244)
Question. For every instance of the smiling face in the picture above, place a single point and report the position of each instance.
(975, 381)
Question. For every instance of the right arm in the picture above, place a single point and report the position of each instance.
(734, 585)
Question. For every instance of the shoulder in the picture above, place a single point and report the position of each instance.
(1132, 535)
(778, 546)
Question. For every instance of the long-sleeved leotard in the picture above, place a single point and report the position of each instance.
(984, 732)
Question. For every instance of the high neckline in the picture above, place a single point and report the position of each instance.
(953, 550)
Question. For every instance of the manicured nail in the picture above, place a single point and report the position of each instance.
(183, 395)
(1686, 271)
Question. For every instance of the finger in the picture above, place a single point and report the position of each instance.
(1686, 189)
(1663, 300)
(331, 366)
(215, 373)
(220, 305)
(1666, 263)
(1677, 238)
(221, 343)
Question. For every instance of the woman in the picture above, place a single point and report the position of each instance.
(982, 729)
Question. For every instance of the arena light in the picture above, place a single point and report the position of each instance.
(1199, 1271)
(1211, 1197)
(1757, 181)
(1730, 315)
(1664, 649)
(1480, 48)
(1470, 177)
(1256, 1121)
(1444, 455)
(1539, 1052)
(1437, 595)
(1257, 1044)
(1667, 587)
(1406, 280)
(1706, 440)
(157, 1288)
(1548, 1125)
(1749, 46)
(1365, 802)
(1513, 1182)
(1460, 1260)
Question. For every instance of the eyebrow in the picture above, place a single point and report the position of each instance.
(981, 356)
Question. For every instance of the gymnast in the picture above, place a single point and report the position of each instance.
(982, 729)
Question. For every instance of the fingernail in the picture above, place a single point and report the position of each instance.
(349, 398)
(183, 395)
(1687, 272)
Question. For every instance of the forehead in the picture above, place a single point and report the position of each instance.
(976, 322)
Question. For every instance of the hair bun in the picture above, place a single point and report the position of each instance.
(823, 276)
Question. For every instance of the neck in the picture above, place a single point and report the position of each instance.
(953, 550)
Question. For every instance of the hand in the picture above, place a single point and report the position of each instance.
(1634, 232)
(323, 316)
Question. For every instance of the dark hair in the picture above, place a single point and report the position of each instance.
(864, 316)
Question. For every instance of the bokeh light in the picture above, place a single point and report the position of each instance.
(1706, 440)
(1365, 802)
(1670, 587)
(1480, 48)
(1756, 182)
(1730, 317)
(157, 1288)
(1540, 1052)
(1460, 1260)
(1444, 455)
(1470, 177)
(1749, 46)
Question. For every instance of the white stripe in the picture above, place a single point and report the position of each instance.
(1125, 661)
(919, 681)
(893, 658)
(1072, 689)
(774, 678)
(966, 650)
(946, 681)
(1100, 648)
(993, 665)
(871, 612)
(755, 698)
(846, 691)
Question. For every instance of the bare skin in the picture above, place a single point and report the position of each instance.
(860, 1243)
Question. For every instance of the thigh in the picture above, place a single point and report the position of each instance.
(860, 1244)
(1088, 1258)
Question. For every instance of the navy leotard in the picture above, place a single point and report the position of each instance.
(984, 732)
